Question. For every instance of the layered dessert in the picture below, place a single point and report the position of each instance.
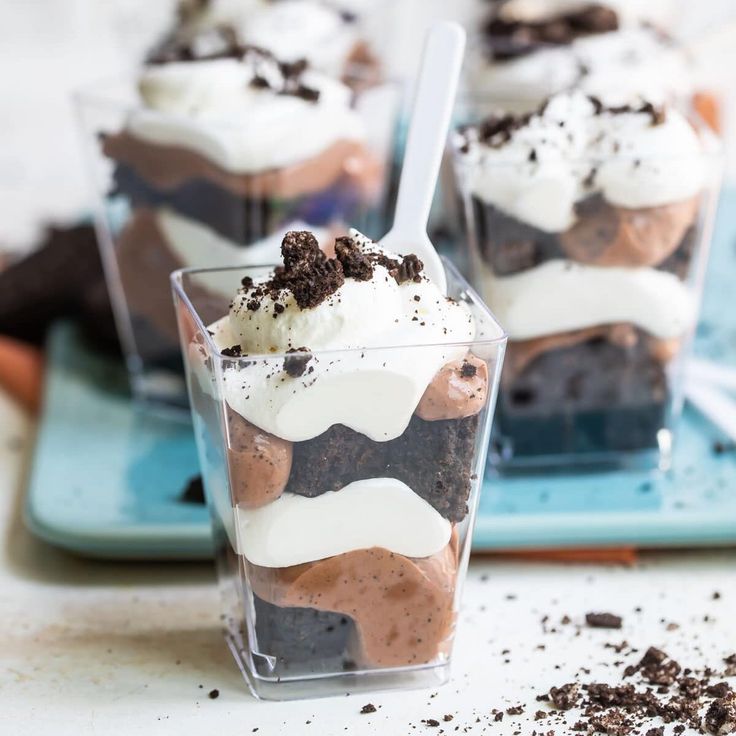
(531, 49)
(230, 146)
(351, 455)
(586, 220)
(330, 36)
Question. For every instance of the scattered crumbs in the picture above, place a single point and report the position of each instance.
(603, 620)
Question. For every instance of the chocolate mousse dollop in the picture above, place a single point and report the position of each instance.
(458, 390)
(259, 463)
(605, 235)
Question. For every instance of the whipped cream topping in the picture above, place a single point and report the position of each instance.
(292, 29)
(375, 381)
(300, 29)
(618, 67)
(560, 296)
(537, 167)
(378, 512)
(245, 114)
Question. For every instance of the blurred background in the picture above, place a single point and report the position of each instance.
(48, 48)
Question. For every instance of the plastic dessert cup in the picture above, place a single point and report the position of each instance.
(171, 194)
(588, 231)
(340, 556)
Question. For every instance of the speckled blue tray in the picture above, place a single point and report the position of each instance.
(106, 481)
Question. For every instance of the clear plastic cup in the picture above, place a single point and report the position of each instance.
(159, 209)
(600, 310)
(357, 587)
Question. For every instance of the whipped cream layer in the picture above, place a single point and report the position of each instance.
(235, 113)
(373, 381)
(561, 296)
(617, 67)
(536, 168)
(378, 512)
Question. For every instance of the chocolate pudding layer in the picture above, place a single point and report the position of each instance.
(402, 608)
(168, 167)
(602, 235)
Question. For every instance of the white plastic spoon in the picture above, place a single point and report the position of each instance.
(430, 121)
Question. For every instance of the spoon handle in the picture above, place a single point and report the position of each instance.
(430, 121)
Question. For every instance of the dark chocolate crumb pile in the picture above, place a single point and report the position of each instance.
(368, 708)
(295, 363)
(312, 277)
(510, 39)
(665, 691)
(224, 42)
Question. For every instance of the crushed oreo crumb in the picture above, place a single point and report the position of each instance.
(312, 277)
(603, 620)
(295, 363)
(468, 370)
(368, 708)
(213, 694)
(232, 352)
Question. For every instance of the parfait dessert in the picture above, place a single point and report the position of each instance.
(531, 49)
(589, 225)
(226, 149)
(342, 408)
(332, 36)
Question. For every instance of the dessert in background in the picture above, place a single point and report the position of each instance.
(34, 294)
(228, 146)
(341, 408)
(588, 222)
(616, 50)
(329, 36)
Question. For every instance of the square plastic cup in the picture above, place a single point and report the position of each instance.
(595, 387)
(340, 559)
(160, 207)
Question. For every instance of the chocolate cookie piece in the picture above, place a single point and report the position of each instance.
(61, 279)
(508, 245)
(510, 39)
(242, 220)
(301, 635)
(591, 397)
(433, 458)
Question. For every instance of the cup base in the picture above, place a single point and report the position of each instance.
(502, 461)
(329, 685)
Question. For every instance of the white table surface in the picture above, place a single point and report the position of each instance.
(108, 648)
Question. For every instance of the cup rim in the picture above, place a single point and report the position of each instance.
(176, 277)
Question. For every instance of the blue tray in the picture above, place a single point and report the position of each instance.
(106, 481)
